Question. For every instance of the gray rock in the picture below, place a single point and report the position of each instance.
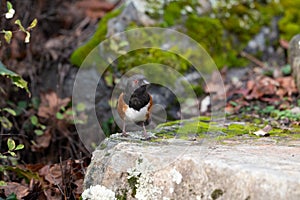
(177, 169)
(294, 58)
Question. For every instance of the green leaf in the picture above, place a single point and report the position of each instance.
(10, 111)
(2, 157)
(21, 106)
(34, 120)
(27, 174)
(13, 154)
(10, 11)
(5, 123)
(59, 115)
(43, 127)
(12, 196)
(21, 27)
(16, 79)
(33, 24)
(70, 112)
(7, 36)
(80, 107)
(9, 5)
(3, 183)
(286, 70)
(19, 147)
(38, 132)
(11, 144)
(35, 102)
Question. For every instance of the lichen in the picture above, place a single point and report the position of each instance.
(141, 180)
(146, 190)
(98, 192)
(176, 176)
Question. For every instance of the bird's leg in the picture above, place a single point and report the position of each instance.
(145, 131)
(123, 130)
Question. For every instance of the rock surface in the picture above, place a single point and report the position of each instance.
(178, 169)
(294, 58)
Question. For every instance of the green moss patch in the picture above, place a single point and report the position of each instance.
(202, 127)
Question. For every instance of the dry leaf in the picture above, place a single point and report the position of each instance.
(53, 193)
(42, 142)
(52, 174)
(288, 84)
(12, 187)
(51, 104)
(79, 188)
(95, 9)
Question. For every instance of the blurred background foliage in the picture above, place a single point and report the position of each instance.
(224, 32)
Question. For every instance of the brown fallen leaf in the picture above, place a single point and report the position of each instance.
(42, 141)
(51, 104)
(53, 194)
(288, 85)
(79, 188)
(266, 88)
(52, 174)
(17, 188)
(36, 191)
(95, 9)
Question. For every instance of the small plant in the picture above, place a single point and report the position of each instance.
(11, 145)
(9, 155)
(8, 33)
(4, 121)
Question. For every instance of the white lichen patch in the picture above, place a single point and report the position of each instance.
(142, 165)
(176, 176)
(98, 192)
(145, 188)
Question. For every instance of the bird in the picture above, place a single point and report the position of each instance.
(135, 103)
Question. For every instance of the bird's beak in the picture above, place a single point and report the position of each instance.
(145, 82)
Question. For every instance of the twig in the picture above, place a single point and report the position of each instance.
(63, 178)
(253, 59)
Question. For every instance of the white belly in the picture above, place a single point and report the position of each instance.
(137, 116)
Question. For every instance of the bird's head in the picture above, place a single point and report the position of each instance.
(136, 84)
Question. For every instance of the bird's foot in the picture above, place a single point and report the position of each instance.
(146, 136)
(124, 134)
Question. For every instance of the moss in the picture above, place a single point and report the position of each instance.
(223, 36)
(133, 181)
(103, 146)
(172, 13)
(201, 127)
(216, 194)
(122, 196)
(208, 32)
(81, 53)
(151, 55)
(289, 24)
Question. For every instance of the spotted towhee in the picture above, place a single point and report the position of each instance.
(134, 104)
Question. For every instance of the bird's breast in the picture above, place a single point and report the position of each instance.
(137, 115)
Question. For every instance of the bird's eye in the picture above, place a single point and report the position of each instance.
(135, 81)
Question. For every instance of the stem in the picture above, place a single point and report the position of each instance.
(2, 19)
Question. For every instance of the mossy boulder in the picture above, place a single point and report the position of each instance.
(223, 32)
